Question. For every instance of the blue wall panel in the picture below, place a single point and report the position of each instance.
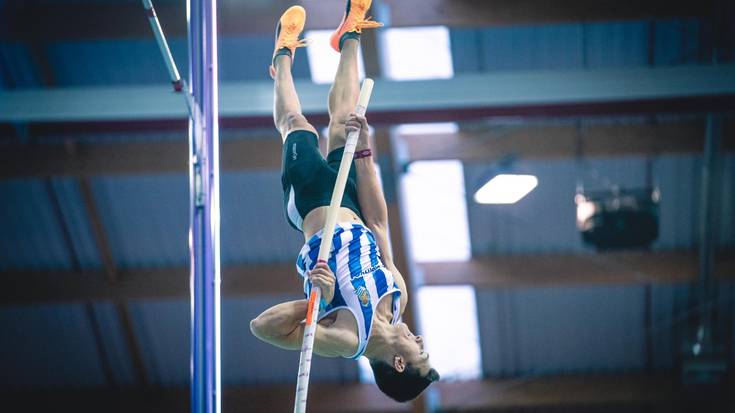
(678, 42)
(254, 228)
(31, 237)
(561, 330)
(248, 58)
(616, 44)
(17, 69)
(115, 344)
(49, 346)
(531, 48)
(146, 217)
(104, 62)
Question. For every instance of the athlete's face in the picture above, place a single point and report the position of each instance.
(411, 349)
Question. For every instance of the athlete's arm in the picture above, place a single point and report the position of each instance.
(372, 201)
(283, 326)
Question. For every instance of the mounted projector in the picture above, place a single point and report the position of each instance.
(618, 218)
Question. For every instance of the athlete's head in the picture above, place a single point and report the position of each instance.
(408, 370)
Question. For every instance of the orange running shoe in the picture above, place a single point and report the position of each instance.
(288, 29)
(353, 22)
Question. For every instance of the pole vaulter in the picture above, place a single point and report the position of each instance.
(325, 247)
(356, 295)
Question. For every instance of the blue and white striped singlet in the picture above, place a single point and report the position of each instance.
(362, 280)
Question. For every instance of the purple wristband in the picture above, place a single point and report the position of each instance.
(363, 154)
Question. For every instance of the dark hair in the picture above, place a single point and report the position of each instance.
(401, 386)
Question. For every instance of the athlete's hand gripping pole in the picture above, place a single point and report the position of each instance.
(307, 347)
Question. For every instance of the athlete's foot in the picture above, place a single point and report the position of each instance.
(352, 23)
(288, 29)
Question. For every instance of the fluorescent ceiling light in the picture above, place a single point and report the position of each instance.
(434, 193)
(323, 60)
(451, 337)
(506, 189)
(417, 53)
(427, 128)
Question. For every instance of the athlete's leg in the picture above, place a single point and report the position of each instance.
(346, 88)
(344, 93)
(287, 114)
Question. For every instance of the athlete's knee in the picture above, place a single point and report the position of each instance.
(290, 119)
(293, 121)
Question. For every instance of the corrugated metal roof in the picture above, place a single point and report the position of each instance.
(544, 47)
(576, 46)
(545, 220)
(138, 61)
(678, 42)
(48, 346)
(588, 329)
(17, 69)
(615, 44)
(103, 62)
(248, 58)
(253, 225)
(31, 236)
(547, 330)
(550, 46)
(117, 353)
(74, 213)
(162, 329)
(146, 218)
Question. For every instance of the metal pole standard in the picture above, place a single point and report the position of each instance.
(204, 203)
(201, 96)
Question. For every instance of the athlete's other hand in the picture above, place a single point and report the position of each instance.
(321, 276)
(356, 122)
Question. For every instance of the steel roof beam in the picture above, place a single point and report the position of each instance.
(264, 153)
(470, 96)
(503, 271)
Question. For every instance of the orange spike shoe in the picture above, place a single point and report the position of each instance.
(353, 22)
(288, 29)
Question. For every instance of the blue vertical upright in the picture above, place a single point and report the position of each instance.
(204, 204)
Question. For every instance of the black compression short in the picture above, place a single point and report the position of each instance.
(308, 179)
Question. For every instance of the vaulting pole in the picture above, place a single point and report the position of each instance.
(325, 247)
(204, 206)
